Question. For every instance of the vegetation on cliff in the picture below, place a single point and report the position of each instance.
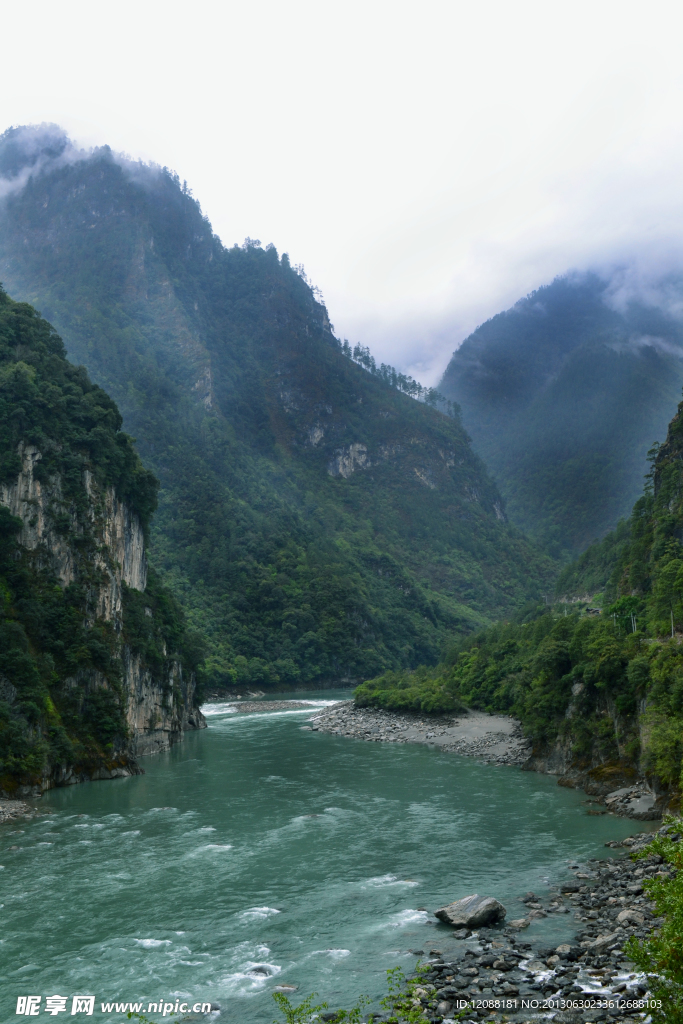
(610, 685)
(316, 522)
(563, 396)
(51, 644)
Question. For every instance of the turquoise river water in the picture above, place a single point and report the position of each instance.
(254, 854)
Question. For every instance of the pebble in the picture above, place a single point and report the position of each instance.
(378, 726)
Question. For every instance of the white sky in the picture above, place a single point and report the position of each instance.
(428, 162)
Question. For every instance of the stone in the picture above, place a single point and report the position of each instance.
(602, 942)
(443, 1007)
(564, 948)
(618, 794)
(472, 912)
(630, 917)
(519, 923)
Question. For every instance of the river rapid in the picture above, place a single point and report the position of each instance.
(256, 854)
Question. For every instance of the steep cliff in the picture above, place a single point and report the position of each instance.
(96, 666)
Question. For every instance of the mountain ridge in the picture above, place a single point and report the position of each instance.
(563, 396)
(316, 523)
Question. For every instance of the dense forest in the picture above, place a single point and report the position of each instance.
(51, 640)
(316, 521)
(563, 396)
(609, 686)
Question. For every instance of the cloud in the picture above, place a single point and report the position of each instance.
(27, 150)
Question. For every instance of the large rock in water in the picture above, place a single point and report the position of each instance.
(472, 912)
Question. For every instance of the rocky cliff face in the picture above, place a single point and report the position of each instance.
(102, 547)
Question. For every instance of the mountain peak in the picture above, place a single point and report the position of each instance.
(24, 147)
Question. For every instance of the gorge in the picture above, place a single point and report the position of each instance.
(289, 516)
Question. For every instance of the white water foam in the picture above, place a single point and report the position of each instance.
(210, 847)
(382, 881)
(250, 975)
(334, 954)
(152, 943)
(211, 710)
(257, 913)
(409, 917)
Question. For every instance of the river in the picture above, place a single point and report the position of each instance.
(254, 854)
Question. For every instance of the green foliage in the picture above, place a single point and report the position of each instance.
(62, 703)
(47, 402)
(420, 690)
(390, 375)
(589, 574)
(306, 1011)
(50, 711)
(661, 955)
(402, 1003)
(247, 408)
(563, 395)
(581, 677)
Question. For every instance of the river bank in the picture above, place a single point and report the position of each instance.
(500, 975)
(495, 739)
(12, 810)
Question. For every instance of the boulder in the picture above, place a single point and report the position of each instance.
(630, 917)
(472, 912)
(519, 923)
(602, 942)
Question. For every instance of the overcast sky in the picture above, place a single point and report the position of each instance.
(428, 162)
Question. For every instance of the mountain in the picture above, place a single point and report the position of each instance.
(599, 691)
(96, 663)
(563, 396)
(316, 524)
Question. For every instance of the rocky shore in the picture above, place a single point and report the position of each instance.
(10, 810)
(494, 739)
(249, 707)
(497, 739)
(501, 974)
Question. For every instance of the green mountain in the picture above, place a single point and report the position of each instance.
(601, 695)
(316, 523)
(96, 663)
(563, 396)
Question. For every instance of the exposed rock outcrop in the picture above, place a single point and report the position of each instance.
(103, 547)
(51, 523)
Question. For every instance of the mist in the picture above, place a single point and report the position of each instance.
(428, 168)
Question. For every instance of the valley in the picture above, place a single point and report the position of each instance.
(215, 512)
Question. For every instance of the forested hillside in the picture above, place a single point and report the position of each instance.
(75, 640)
(317, 524)
(563, 396)
(607, 689)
